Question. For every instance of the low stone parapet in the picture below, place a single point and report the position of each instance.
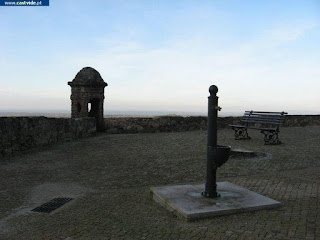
(181, 124)
(23, 133)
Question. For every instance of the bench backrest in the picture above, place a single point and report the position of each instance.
(264, 118)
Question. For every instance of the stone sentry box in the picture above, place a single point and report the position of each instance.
(87, 96)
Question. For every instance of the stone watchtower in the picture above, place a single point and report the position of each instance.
(87, 95)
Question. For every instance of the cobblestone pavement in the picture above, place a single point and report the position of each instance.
(109, 177)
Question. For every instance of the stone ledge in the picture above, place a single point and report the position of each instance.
(186, 200)
(193, 123)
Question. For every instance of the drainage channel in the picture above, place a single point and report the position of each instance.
(51, 205)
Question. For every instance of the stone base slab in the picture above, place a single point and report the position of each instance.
(187, 201)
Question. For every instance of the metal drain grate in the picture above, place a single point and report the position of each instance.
(51, 205)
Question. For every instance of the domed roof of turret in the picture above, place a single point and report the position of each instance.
(88, 76)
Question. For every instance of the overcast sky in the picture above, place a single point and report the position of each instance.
(163, 55)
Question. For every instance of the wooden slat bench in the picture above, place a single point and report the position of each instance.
(267, 122)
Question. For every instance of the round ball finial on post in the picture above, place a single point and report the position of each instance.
(213, 90)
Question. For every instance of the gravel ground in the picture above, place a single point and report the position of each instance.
(109, 177)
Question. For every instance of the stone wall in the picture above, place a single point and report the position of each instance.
(180, 124)
(22, 133)
(302, 120)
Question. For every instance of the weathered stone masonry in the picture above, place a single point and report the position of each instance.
(23, 133)
(181, 124)
(87, 89)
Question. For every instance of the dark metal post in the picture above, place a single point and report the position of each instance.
(211, 185)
